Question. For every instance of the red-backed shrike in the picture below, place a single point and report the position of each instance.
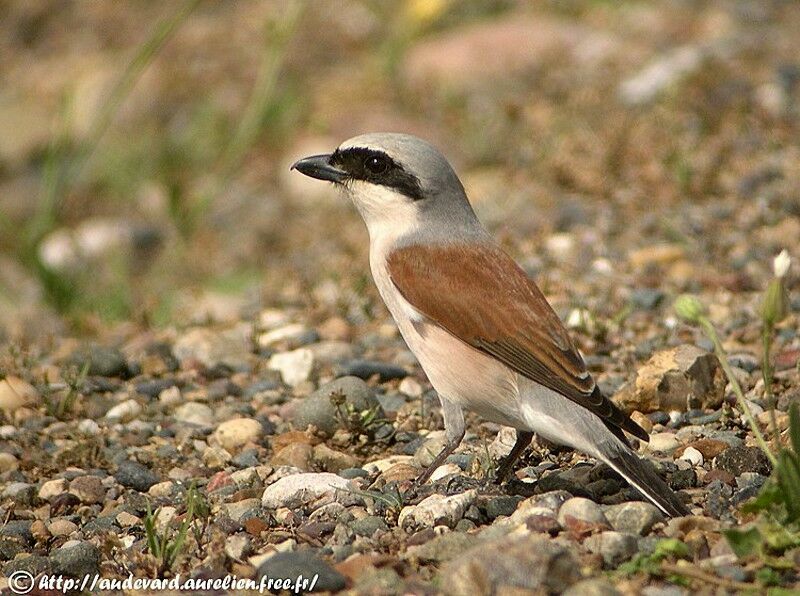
(481, 329)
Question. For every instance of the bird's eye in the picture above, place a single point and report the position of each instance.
(376, 164)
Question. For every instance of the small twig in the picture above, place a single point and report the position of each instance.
(693, 572)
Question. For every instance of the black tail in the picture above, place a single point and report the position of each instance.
(640, 473)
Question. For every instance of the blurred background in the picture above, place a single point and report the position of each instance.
(622, 151)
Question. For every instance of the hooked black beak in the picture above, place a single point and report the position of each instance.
(319, 167)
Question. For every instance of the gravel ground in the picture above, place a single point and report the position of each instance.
(270, 424)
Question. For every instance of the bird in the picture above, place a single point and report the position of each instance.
(482, 331)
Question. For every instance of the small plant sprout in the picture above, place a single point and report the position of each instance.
(692, 310)
(773, 311)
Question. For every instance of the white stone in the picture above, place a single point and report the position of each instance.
(300, 489)
(195, 413)
(582, 509)
(52, 488)
(381, 465)
(442, 471)
(171, 396)
(295, 366)
(693, 456)
(89, 427)
(237, 547)
(663, 442)
(164, 515)
(410, 387)
(234, 434)
(286, 333)
(436, 510)
(124, 412)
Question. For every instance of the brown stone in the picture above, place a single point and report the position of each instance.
(298, 455)
(679, 378)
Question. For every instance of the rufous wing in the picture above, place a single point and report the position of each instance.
(481, 296)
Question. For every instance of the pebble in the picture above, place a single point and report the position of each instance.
(102, 361)
(89, 489)
(8, 462)
(368, 526)
(295, 367)
(331, 460)
(693, 456)
(366, 369)
(297, 455)
(512, 564)
(216, 457)
(614, 547)
(300, 489)
(195, 413)
(595, 586)
(134, 475)
(51, 488)
(62, 527)
(740, 459)
(89, 427)
(436, 510)
(410, 387)
(288, 334)
(238, 546)
(581, 509)
(443, 547)
(319, 410)
(302, 563)
(680, 378)
(663, 442)
(21, 492)
(234, 434)
(77, 560)
(212, 348)
(504, 505)
(126, 411)
(634, 517)
(127, 520)
(16, 393)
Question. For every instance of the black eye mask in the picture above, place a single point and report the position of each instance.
(376, 167)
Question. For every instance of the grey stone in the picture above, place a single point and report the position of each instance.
(318, 409)
(614, 547)
(583, 510)
(33, 564)
(443, 547)
(501, 505)
(134, 475)
(368, 526)
(635, 517)
(366, 369)
(101, 361)
(294, 564)
(740, 459)
(529, 562)
(77, 561)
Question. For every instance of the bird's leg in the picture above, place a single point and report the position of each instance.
(454, 430)
(524, 438)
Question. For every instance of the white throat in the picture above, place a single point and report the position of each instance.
(387, 214)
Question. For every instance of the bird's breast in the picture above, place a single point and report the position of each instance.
(458, 372)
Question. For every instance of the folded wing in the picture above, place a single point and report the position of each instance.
(480, 295)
